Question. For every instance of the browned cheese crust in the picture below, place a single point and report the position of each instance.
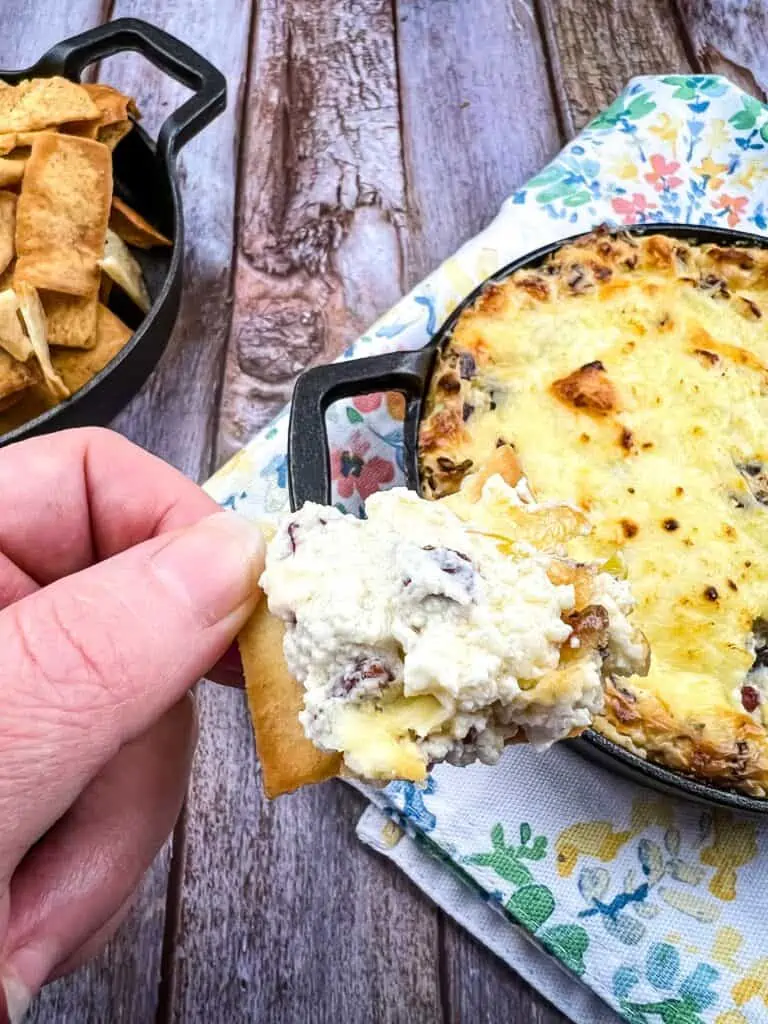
(630, 376)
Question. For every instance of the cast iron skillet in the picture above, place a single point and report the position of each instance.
(309, 476)
(145, 177)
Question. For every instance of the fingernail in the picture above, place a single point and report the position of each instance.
(16, 998)
(214, 565)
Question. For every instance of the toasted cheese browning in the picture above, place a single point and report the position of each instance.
(630, 375)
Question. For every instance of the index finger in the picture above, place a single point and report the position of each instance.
(80, 496)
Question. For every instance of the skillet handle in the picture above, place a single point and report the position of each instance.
(309, 473)
(70, 56)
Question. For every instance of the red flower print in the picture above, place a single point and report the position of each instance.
(735, 205)
(367, 403)
(662, 176)
(630, 209)
(352, 472)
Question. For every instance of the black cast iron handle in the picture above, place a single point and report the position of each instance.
(309, 472)
(71, 56)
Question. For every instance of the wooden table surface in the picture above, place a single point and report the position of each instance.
(363, 141)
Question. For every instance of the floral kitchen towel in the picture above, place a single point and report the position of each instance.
(656, 906)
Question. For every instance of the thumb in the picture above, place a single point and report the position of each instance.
(90, 662)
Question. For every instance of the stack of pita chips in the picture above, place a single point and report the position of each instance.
(64, 241)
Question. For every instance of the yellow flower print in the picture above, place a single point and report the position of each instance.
(734, 844)
(717, 134)
(588, 838)
(731, 1017)
(752, 172)
(625, 169)
(711, 170)
(667, 128)
(728, 942)
(754, 983)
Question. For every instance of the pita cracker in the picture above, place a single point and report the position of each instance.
(62, 214)
(15, 377)
(111, 134)
(76, 367)
(114, 108)
(288, 759)
(27, 138)
(12, 169)
(7, 143)
(71, 319)
(40, 102)
(33, 315)
(12, 336)
(124, 269)
(7, 229)
(25, 406)
(132, 228)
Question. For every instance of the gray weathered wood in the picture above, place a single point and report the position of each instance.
(302, 923)
(321, 202)
(595, 48)
(730, 37)
(472, 131)
(106, 989)
(474, 127)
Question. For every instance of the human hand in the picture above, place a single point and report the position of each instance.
(120, 585)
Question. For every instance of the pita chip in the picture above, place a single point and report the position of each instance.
(114, 108)
(12, 336)
(40, 102)
(124, 270)
(133, 228)
(77, 367)
(32, 314)
(111, 134)
(12, 168)
(7, 143)
(62, 214)
(71, 319)
(7, 229)
(15, 378)
(288, 759)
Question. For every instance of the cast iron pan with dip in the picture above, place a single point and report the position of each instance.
(309, 477)
(145, 177)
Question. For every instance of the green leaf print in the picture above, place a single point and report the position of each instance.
(549, 195)
(505, 864)
(353, 415)
(497, 836)
(525, 833)
(686, 87)
(568, 942)
(548, 176)
(640, 106)
(531, 905)
(577, 198)
(746, 118)
(764, 132)
(667, 1011)
(610, 116)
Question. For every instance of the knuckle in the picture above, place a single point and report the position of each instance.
(64, 664)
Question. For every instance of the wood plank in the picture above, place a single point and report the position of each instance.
(469, 142)
(122, 985)
(115, 987)
(284, 917)
(595, 48)
(730, 39)
(478, 117)
(479, 987)
(322, 199)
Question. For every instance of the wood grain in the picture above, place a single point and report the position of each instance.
(469, 141)
(730, 37)
(478, 987)
(306, 926)
(321, 203)
(107, 989)
(595, 48)
(473, 127)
